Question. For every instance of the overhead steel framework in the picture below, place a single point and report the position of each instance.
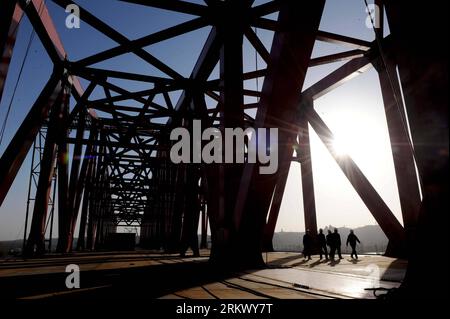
(121, 173)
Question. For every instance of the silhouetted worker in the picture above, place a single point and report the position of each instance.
(352, 240)
(307, 245)
(337, 242)
(322, 244)
(331, 244)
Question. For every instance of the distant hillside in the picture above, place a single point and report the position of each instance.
(372, 239)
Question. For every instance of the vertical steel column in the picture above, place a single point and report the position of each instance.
(77, 178)
(179, 206)
(36, 238)
(204, 221)
(290, 55)
(422, 61)
(81, 243)
(63, 181)
(52, 210)
(232, 116)
(94, 201)
(402, 150)
(103, 205)
(309, 203)
(277, 198)
(30, 183)
(189, 236)
(419, 34)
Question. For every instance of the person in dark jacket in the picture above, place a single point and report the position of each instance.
(330, 243)
(322, 244)
(307, 245)
(337, 242)
(352, 239)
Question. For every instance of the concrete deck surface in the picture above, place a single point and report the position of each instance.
(287, 276)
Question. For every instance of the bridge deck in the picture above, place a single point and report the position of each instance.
(144, 274)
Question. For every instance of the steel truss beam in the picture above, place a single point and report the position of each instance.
(10, 16)
(291, 52)
(36, 239)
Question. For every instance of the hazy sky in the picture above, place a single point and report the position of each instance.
(354, 111)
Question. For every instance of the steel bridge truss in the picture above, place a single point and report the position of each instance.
(121, 173)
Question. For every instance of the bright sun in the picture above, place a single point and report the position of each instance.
(341, 146)
(356, 143)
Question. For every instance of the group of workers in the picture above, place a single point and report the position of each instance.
(332, 240)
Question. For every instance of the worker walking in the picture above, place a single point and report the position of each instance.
(307, 245)
(337, 242)
(322, 244)
(330, 243)
(352, 239)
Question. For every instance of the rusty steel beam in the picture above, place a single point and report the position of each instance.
(110, 32)
(81, 242)
(63, 181)
(231, 116)
(402, 149)
(207, 60)
(91, 229)
(290, 55)
(189, 237)
(36, 237)
(338, 77)
(343, 40)
(9, 21)
(39, 16)
(134, 146)
(337, 57)
(76, 158)
(204, 227)
(10, 16)
(173, 5)
(420, 60)
(136, 45)
(275, 205)
(231, 69)
(309, 203)
(76, 182)
(421, 53)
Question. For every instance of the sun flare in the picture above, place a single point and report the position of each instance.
(341, 146)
